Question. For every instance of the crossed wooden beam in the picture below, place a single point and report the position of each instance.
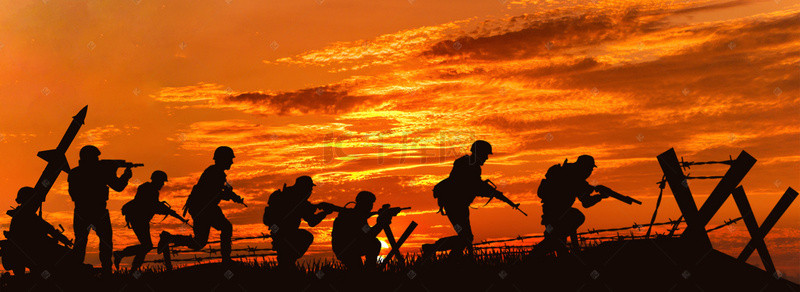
(696, 220)
(395, 245)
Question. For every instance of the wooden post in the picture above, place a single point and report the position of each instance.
(683, 196)
(725, 187)
(396, 249)
(776, 213)
(752, 227)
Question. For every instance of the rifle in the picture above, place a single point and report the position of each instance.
(389, 210)
(119, 163)
(605, 191)
(172, 213)
(228, 189)
(499, 195)
(385, 210)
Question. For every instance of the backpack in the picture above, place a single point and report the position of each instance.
(127, 210)
(443, 192)
(551, 179)
(274, 199)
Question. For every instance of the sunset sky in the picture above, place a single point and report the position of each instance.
(384, 95)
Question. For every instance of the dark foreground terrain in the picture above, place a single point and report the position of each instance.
(633, 265)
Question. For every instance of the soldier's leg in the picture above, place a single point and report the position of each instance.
(302, 240)
(372, 249)
(350, 260)
(104, 232)
(201, 228)
(576, 219)
(219, 222)
(459, 217)
(80, 226)
(143, 234)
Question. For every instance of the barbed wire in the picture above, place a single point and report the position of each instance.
(200, 259)
(597, 231)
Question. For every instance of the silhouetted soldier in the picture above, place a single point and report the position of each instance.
(457, 192)
(558, 190)
(34, 243)
(352, 237)
(203, 205)
(138, 214)
(88, 188)
(286, 209)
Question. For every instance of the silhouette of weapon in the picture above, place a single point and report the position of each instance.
(119, 163)
(174, 214)
(388, 209)
(234, 197)
(56, 160)
(499, 195)
(605, 191)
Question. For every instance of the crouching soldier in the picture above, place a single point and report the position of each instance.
(31, 242)
(286, 208)
(563, 183)
(352, 237)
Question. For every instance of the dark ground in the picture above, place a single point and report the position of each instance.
(638, 265)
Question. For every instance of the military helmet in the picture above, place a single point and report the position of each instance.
(365, 197)
(481, 147)
(89, 152)
(24, 194)
(587, 160)
(304, 181)
(158, 176)
(223, 152)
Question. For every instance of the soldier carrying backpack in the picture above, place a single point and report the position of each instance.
(456, 193)
(286, 208)
(563, 183)
(138, 214)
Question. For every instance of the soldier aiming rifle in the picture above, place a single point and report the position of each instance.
(352, 237)
(88, 188)
(138, 214)
(286, 208)
(563, 183)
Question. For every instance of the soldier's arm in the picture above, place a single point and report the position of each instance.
(313, 218)
(119, 183)
(584, 195)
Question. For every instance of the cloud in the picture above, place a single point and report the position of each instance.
(622, 83)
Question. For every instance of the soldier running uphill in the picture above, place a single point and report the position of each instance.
(203, 205)
(457, 192)
(138, 214)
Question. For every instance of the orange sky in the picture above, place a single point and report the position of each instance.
(383, 96)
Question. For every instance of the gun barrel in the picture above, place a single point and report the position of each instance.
(623, 198)
(119, 163)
